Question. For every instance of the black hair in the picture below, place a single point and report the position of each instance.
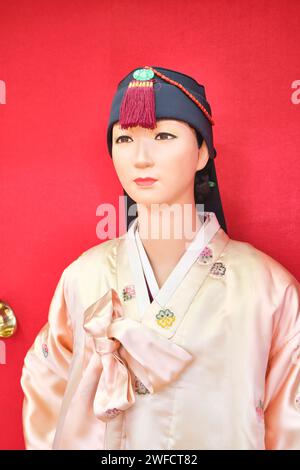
(202, 188)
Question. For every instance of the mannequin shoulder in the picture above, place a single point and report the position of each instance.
(99, 251)
(250, 263)
(94, 261)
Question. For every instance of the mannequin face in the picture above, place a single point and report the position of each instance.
(169, 153)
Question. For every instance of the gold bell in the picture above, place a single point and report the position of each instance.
(8, 321)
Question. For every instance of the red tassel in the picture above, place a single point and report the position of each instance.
(138, 105)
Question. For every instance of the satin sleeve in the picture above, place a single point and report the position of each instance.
(282, 390)
(45, 374)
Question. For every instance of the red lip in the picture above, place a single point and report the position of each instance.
(145, 181)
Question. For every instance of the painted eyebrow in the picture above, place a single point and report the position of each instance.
(167, 127)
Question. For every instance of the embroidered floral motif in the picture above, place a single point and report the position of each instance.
(260, 410)
(165, 318)
(297, 401)
(139, 387)
(128, 292)
(205, 256)
(218, 270)
(112, 413)
(45, 349)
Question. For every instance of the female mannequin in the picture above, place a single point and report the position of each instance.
(189, 342)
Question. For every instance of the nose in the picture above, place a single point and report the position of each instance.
(143, 156)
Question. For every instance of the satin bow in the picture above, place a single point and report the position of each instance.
(122, 346)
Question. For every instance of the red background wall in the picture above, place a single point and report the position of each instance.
(61, 61)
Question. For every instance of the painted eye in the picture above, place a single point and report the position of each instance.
(122, 137)
(165, 134)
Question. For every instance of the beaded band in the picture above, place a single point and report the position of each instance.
(173, 82)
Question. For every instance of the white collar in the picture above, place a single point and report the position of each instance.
(148, 271)
(138, 259)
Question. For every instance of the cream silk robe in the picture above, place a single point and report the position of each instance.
(213, 362)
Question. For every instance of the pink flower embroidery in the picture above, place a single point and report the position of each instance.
(112, 413)
(128, 292)
(45, 349)
(260, 410)
(205, 256)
